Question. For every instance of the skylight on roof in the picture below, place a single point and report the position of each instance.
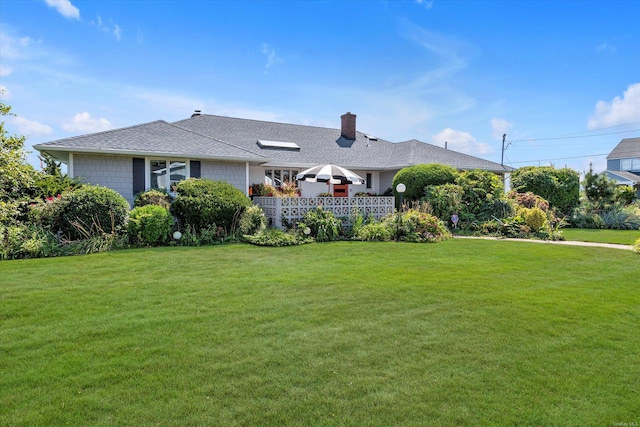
(371, 137)
(278, 144)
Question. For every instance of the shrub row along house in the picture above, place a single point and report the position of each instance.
(243, 152)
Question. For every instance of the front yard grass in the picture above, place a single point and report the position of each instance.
(622, 237)
(465, 332)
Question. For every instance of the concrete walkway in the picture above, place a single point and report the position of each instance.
(556, 242)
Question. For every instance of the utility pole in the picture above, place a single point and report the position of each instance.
(504, 137)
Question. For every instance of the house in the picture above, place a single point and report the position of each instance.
(623, 163)
(243, 152)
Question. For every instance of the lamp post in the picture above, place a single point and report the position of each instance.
(400, 188)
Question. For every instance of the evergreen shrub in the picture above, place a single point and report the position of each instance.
(86, 210)
(201, 203)
(416, 178)
(149, 225)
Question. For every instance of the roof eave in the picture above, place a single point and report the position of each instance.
(136, 153)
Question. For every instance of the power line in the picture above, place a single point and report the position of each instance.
(559, 158)
(574, 137)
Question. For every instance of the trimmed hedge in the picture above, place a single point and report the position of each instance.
(417, 177)
(202, 203)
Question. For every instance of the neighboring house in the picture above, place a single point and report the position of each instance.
(623, 163)
(243, 152)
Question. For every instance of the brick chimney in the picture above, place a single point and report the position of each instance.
(348, 130)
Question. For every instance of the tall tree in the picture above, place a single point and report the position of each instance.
(17, 177)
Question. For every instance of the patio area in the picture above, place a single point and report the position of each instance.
(293, 209)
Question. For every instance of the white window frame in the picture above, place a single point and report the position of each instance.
(292, 176)
(168, 160)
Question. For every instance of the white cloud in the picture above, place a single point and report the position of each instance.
(107, 28)
(5, 71)
(461, 141)
(270, 53)
(117, 31)
(451, 55)
(14, 47)
(619, 111)
(425, 3)
(499, 127)
(83, 122)
(30, 127)
(64, 8)
(606, 47)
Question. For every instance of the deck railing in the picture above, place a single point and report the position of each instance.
(292, 209)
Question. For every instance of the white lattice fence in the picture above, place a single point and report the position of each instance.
(294, 208)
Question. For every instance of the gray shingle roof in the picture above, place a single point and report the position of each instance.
(627, 148)
(153, 138)
(623, 175)
(326, 145)
(226, 138)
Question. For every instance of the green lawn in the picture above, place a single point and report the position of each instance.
(623, 237)
(465, 332)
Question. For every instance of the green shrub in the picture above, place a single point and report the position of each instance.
(9, 212)
(582, 218)
(155, 197)
(445, 200)
(202, 202)
(27, 241)
(599, 189)
(416, 178)
(626, 218)
(276, 237)
(561, 187)
(252, 220)
(624, 195)
(52, 185)
(323, 224)
(210, 235)
(636, 247)
(416, 226)
(86, 210)
(480, 191)
(375, 231)
(535, 218)
(149, 225)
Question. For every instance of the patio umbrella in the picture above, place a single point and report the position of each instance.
(330, 173)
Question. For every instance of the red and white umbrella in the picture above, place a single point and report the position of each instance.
(330, 173)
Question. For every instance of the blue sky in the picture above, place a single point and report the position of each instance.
(560, 78)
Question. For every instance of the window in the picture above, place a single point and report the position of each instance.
(280, 177)
(368, 181)
(629, 164)
(165, 174)
(625, 164)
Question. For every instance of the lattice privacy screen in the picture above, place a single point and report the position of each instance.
(294, 208)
